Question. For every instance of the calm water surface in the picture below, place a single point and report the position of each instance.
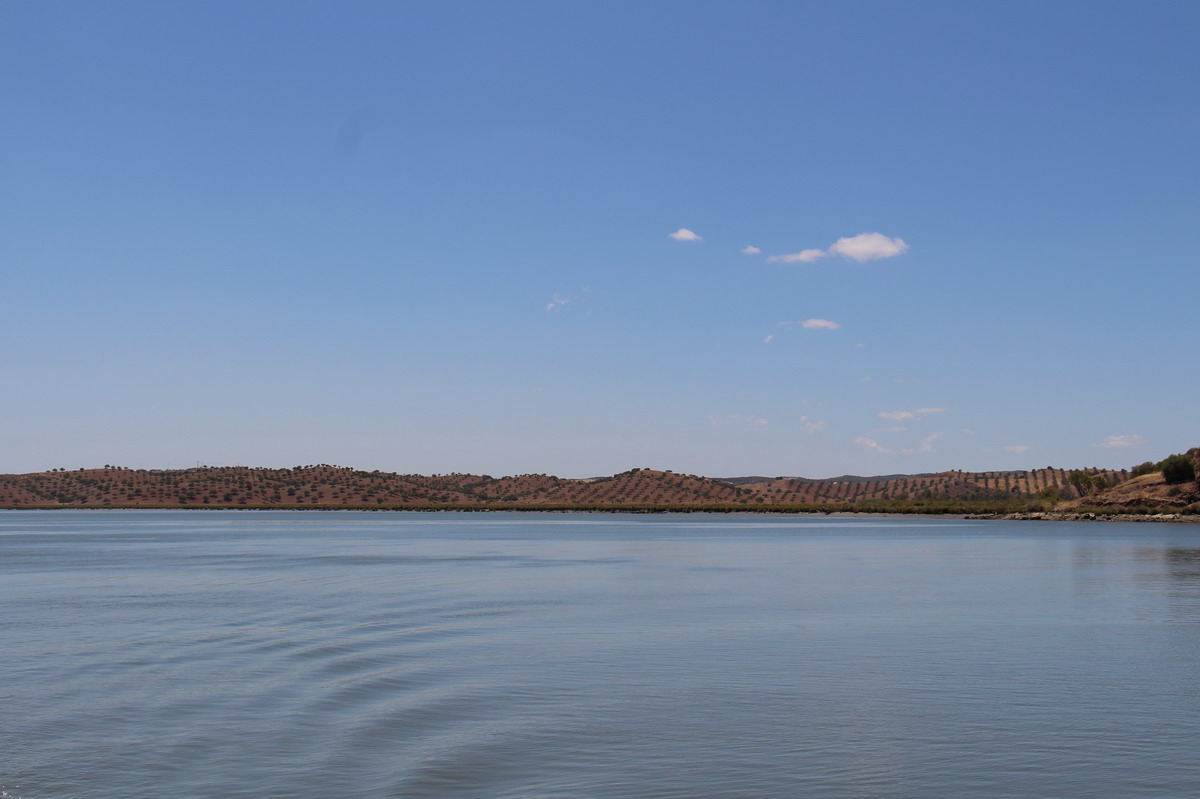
(292, 654)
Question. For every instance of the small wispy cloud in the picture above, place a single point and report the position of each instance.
(812, 324)
(810, 426)
(769, 339)
(898, 415)
(871, 443)
(737, 419)
(802, 257)
(750, 249)
(927, 442)
(683, 234)
(561, 301)
(1017, 448)
(1121, 441)
(868, 247)
(889, 429)
(968, 431)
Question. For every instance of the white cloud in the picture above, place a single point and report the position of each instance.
(868, 247)
(736, 418)
(927, 441)
(769, 339)
(968, 431)
(871, 443)
(863, 247)
(683, 234)
(865, 380)
(810, 426)
(1017, 448)
(562, 300)
(898, 415)
(1121, 441)
(889, 429)
(803, 257)
(812, 324)
(750, 249)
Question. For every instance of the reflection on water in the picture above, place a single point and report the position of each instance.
(1176, 573)
(227, 654)
(1183, 564)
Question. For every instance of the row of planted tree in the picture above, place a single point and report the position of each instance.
(324, 485)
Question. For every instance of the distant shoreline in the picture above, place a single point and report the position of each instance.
(1034, 494)
(1080, 515)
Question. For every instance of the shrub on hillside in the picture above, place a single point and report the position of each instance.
(1051, 494)
(1149, 467)
(1082, 481)
(1178, 469)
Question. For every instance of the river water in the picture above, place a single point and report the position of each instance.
(492, 655)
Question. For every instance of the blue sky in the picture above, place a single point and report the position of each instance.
(432, 237)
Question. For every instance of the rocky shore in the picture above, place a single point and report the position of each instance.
(1069, 516)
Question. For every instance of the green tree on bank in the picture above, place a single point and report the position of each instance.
(1179, 468)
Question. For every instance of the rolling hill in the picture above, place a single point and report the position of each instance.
(327, 486)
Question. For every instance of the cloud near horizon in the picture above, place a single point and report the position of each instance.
(683, 234)
(898, 415)
(927, 442)
(812, 324)
(1121, 441)
(1017, 448)
(871, 443)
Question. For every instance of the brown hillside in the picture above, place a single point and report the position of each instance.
(942, 486)
(1149, 490)
(323, 485)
